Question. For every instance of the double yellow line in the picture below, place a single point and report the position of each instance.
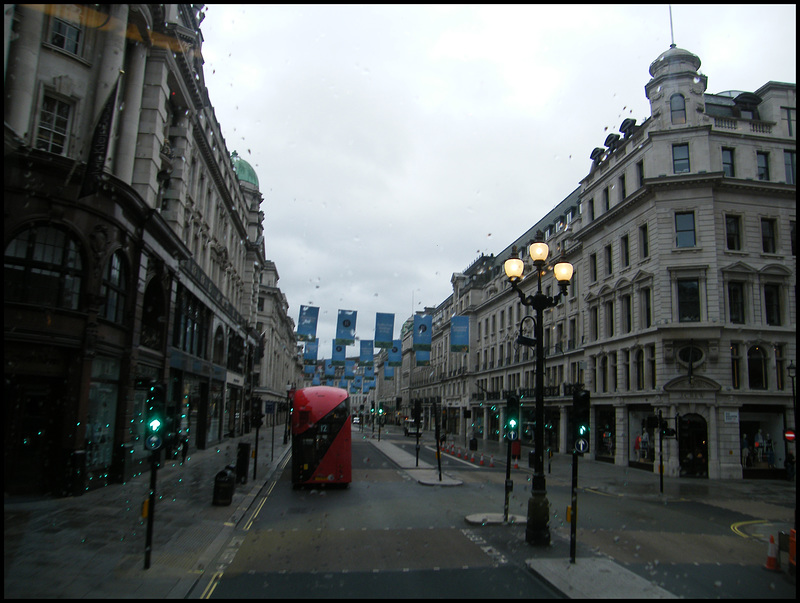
(215, 579)
(735, 526)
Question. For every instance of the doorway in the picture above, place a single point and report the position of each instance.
(693, 446)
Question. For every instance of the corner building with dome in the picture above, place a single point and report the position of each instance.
(683, 301)
(134, 250)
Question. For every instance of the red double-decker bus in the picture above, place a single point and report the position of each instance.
(321, 442)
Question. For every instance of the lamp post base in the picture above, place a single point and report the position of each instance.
(537, 530)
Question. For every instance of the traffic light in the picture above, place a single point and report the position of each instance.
(155, 419)
(512, 417)
(580, 414)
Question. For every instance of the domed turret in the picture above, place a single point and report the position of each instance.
(244, 171)
(673, 61)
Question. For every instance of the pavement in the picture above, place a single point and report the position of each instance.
(93, 546)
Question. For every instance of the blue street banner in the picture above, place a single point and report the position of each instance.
(384, 330)
(369, 372)
(309, 369)
(423, 329)
(367, 357)
(459, 334)
(358, 381)
(330, 370)
(349, 369)
(388, 373)
(338, 355)
(310, 353)
(346, 327)
(423, 357)
(396, 353)
(307, 323)
(98, 147)
(315, 380)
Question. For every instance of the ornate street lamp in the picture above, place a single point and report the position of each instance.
(537, 530)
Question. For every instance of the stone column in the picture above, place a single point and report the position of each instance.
(20, 76)
(129, 117)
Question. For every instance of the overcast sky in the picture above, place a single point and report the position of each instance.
(395, 144)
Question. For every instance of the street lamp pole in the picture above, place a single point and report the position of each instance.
(537, 530)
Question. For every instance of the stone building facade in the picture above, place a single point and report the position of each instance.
(134, 252)
(683, 301)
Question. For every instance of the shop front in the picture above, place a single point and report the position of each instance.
(763, 452)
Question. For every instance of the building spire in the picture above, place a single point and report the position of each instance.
(671, 32)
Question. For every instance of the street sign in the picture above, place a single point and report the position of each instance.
(788, 434)
(512, 435)
(581, 445)
(153, 442)
(269, 408)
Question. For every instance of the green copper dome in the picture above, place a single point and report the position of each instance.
(244, 171)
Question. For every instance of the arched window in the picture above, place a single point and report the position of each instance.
(677, 107)
(43, 267)
(115, 289)
(757, 368)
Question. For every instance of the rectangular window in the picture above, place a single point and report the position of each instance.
(609, 260)
(593, 267)
(609, 312)
(626, 369)
(790, 119)
(736, 366)
(591, 209)
(762, 166)
(646, 298)
(640, 173)
(66, 31)
(593, 322)
(684, 229)
(789, 161)
(680, 158)
(606, 200)
(644, 242)
(625, 251)
(727, 163)
(768, 240)
(623, 190)
(53, 126)
(772, 304)
(733, 232)
(736, 302)
(688, 300)
(651, 364)
(627, 323)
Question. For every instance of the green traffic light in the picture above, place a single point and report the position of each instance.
(155, 425)
(512, 423)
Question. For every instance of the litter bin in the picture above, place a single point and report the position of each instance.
(242, 462)
(224, 484)
(473, 443)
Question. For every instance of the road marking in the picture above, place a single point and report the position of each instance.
(211, 585)
(594, 491)
(452, 458)
(249, 523)
(735, 526)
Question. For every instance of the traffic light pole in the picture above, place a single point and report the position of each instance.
(661, 451)
(573, 524)
(151, 507)
(509, 483)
